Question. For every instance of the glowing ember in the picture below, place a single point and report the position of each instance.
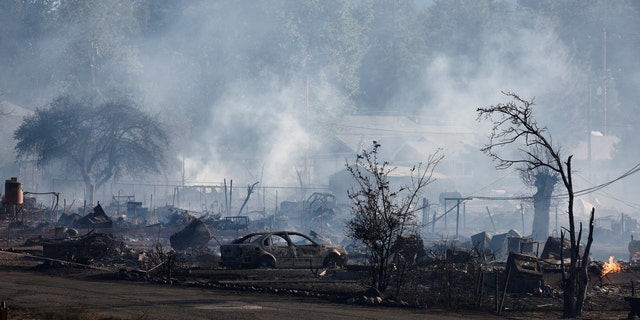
(610, 267)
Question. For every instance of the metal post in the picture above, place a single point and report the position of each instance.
(504, 292)
(457, 216)
(3, 311)
(433, 222)
(497, 290)
(464, 217)
(522, 215)
(425, 211)
(446, 227)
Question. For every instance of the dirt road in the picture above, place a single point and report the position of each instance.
(45, 296)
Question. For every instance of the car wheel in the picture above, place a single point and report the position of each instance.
(266, 262)
(332, 261)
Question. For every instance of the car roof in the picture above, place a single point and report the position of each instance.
(274, 232)
(263, 234)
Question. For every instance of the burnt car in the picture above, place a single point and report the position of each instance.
(280, 249)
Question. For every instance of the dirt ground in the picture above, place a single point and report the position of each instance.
(445, 292)
(606, 298)
(33, 291)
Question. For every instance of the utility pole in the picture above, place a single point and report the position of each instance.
(306, 147)
(604, 79)
(94, 54)
(589, 134)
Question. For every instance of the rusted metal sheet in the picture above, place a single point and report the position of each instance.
(97, 219)
(195, 234)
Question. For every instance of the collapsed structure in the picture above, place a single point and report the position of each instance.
(506, 262)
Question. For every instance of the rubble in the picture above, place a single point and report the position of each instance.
(195, 234)
(449, 273)
(554, 249)
(524, 274)
(634, 249)
(96, 219)
(84, 249)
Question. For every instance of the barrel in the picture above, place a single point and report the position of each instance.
(13, 191)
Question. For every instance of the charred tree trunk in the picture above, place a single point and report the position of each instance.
(583, 275)
(246, 199)
(514, 123)
(576, 286)
(89, 186)
(545, 184)
(571, 285)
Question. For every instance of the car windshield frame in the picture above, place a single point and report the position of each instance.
(303, 236)
(250, 238)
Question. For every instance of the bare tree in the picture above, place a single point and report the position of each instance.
(381, 214)
(98, 141)
(513, 123)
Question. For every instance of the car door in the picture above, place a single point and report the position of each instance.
(307, 254)
(282, 251)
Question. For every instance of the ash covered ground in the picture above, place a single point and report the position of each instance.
(449, 279)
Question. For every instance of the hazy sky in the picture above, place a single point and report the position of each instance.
(253, 123)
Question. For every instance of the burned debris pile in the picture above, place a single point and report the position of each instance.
(503, 271)
(99, 249)
(97, 219)
(196, 234)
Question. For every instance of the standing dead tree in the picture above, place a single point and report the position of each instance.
(382, 213)
(246, 199)
(513, 123)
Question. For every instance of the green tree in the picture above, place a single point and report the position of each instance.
(513, 123)
(381, 212)
(396, 51)
(327, 37)
(458, 27)
(98, 141)
(74, 47)
(25, 24)
(97, 55)
(603, 42)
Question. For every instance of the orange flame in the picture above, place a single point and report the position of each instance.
(610, 267)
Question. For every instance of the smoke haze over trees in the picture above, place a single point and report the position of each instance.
(257, 84)
(97, 141)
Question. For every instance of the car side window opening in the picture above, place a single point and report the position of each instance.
(279, 241)
(246, 239)
(299, 240)
(267, 241)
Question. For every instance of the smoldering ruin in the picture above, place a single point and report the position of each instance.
(507, 271)
(167, 141)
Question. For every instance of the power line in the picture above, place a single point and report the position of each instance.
(578, 193)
